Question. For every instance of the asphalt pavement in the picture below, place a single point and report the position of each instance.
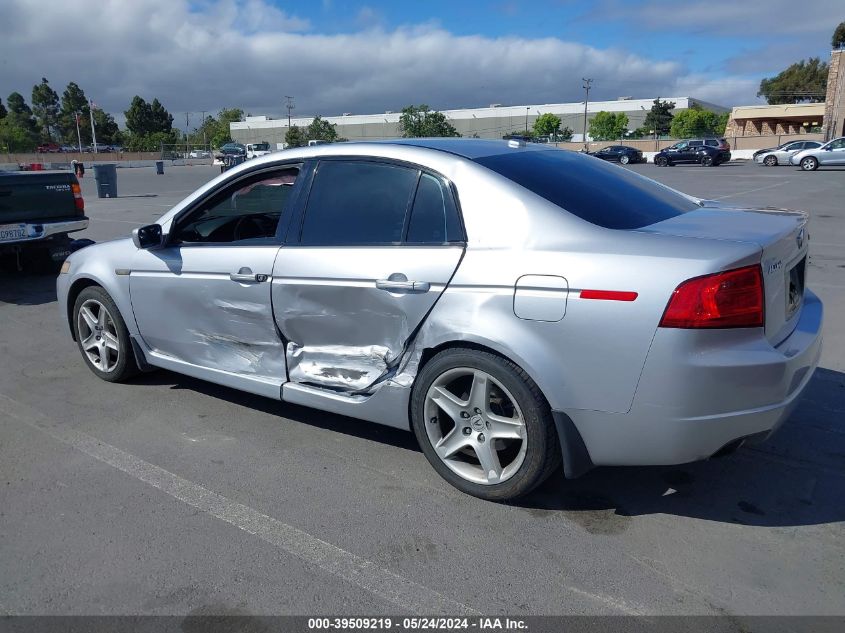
(168, 495)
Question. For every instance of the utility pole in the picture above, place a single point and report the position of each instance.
(289, 105)
(203, 128)
(187, 131)
(586, 85)
(527, 108)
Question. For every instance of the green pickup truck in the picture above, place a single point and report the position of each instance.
(37, 212)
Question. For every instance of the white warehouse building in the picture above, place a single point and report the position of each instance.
(491, 122)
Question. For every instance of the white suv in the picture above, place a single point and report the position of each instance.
(831, 153)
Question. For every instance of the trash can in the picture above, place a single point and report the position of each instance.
(106, 179)
(160, 167)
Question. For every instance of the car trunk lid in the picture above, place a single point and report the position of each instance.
(783, 239)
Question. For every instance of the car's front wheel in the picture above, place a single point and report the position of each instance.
(770, 161)
(624, 159)
(102, 336)
(483, 424)
(809, 163)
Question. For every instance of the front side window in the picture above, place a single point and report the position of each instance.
(248, 210)
(837, 144)
(358, 202)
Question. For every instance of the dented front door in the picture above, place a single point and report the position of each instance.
(348, 313)
(209, 305)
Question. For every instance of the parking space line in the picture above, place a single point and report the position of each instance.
(742, 193)
(408, 595)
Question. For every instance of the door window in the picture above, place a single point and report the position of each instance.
(434, 218)
(356, 203)
(249, 210)
(837, 144)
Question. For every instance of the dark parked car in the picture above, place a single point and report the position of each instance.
(708, 152)
(37, 212)
(619, 154)
(233, 149)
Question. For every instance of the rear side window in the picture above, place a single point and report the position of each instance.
(695, 143)
(355, 203)
(590, 188)
(434, 219)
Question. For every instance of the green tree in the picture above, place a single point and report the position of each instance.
(608, 126)
(3, 110)
(295, 137)
(138, 117)
(838, 40)
(45, 104)
(421, 121)
(659, 119)
(804, 81)
(107, 131)
(321, 130)
(697, 121)
(14, 138)
(161, 119)
(74, 102)
(547, 125)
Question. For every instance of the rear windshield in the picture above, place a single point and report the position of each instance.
(606, 195)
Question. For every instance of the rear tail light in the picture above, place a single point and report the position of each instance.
(734, 298)
(77, 198)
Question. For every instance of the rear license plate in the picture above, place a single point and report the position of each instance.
(795, 287)
(12, 232)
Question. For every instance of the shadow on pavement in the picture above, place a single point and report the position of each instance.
(26, 289)
(796, 478)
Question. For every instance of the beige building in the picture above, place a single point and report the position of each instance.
(834, 112)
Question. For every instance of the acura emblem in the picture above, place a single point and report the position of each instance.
(800, 238)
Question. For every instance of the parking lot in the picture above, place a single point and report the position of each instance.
(168, 495)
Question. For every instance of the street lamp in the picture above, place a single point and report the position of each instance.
(527, 108)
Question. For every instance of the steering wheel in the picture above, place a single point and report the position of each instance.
(246, 227)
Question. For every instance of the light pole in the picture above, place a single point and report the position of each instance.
(586, 85)
(527, 108)
(289, 105)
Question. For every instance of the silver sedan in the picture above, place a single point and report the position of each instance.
(781, 155)
(516, 307)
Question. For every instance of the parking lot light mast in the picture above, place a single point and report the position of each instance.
(587, 83)
(78, 135)
(289, 105)
(91, 107)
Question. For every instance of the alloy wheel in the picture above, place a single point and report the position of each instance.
(771, 161)
(98, 335)
(475, 426)
(809, 164)
(624, 159)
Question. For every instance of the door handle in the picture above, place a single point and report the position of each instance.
(406, 286)
(246, 276)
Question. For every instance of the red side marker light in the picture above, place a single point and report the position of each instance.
(608, 295)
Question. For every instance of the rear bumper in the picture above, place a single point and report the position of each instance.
(37, 231)
(702, 390)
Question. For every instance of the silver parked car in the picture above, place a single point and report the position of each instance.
(781, 155)
(513, 305)
(829, 154)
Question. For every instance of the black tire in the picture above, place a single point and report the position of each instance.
(770, 161)
(542, 454)
(126, 365)
(707, 161)
(661, 161)
(809, 163)
(38, 260)
(624, 159)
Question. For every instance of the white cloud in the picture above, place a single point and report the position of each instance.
(247, 53)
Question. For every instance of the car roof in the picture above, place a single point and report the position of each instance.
(470, 148)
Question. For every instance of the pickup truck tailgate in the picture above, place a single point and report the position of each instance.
(37, 196)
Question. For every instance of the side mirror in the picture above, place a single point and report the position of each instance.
(148, 236)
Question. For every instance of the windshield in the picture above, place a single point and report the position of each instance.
(605, 195)
(261, 147)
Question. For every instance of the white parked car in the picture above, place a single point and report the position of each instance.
(780, 155)
(199, 153)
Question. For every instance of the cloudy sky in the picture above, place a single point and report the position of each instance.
(335, 56)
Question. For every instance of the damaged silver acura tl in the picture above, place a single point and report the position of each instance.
(514, 305)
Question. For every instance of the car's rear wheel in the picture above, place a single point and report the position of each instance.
(809, 163)
(483, 424)
(707, 161)
(102, 336)
(770, 161)
(661, 161)
(624, 159)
